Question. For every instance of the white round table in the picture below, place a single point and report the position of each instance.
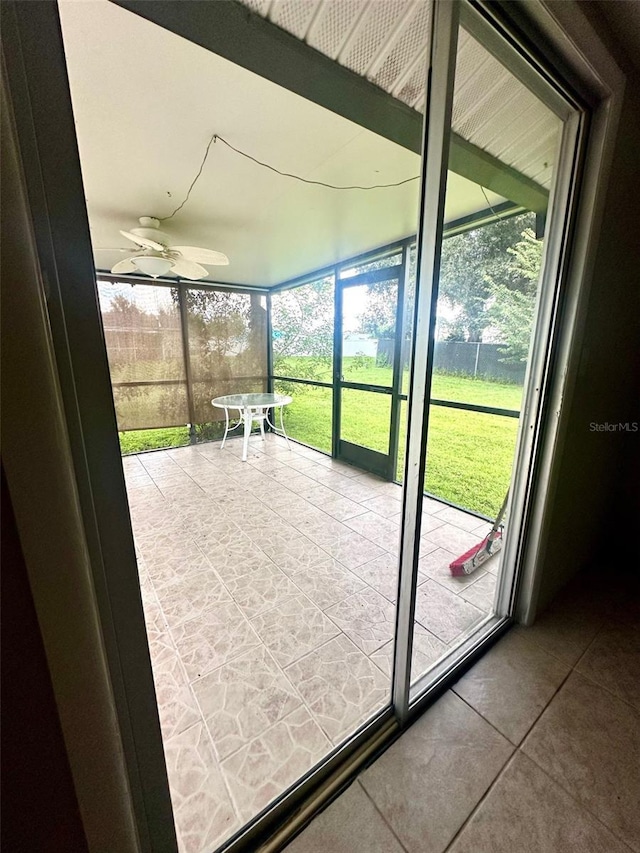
(252, 408)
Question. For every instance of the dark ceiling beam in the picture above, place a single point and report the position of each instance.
(234, 32)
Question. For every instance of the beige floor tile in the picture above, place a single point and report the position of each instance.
(340, 686)
(512, 684)
(268, 528)
(328, 582)
(429, 523)
(385, 532)
(294, 554)
(387, 506)
(300, 463)
(613, 661)
(326, 531)
(426, 547)
(452, 538)
(426, 650)
(529, 813)
(175, 566)
(140, 496)
(202, 808)
(177, 707)
(266, 767)
(189, 596)
(352, 550)
(306, 518)
(220, 533)
(443, 613)
(342, 508)
(426, 784)
(567, 628)
(261, 590)
(459, 518)
(243, 558)
(481, 593)
(293, 629)
(351, 824)
(166, 543)
(220, 634)
(243, 698)
(349, 488)
(154, 619)
(367, 618)
(304, 486)
(589, 742)
(381, 574)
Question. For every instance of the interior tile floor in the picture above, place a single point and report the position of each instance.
(269, 593)
(536, 749)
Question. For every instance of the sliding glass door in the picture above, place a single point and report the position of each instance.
(492, 287)
(298, 609)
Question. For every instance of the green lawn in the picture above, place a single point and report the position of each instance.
(153, 439)
(469, 455)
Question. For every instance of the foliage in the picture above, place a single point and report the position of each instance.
(512, 310)
(379, 317)
(473, 265)
(302, 322)
(227, 345)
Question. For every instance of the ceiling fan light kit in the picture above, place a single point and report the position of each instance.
(157, 256)
(152, 265)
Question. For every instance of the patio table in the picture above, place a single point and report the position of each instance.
(252, 407)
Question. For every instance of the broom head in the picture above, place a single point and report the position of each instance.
(476, 556)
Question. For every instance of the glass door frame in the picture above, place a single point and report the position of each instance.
(383, 465)
(46, 135)
(527, 492)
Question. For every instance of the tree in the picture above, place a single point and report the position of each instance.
(227, 344)
(472, 264)
(379, 317)
(512, 309)
(302, 324)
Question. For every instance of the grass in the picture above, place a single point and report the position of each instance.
(153, 439)
(469, 454)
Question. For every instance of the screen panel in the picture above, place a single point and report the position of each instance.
(143, 335)
(227, 339)
(302, 331)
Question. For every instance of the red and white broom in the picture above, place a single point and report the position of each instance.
(480, 553)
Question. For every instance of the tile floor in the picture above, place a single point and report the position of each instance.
(536, 749)
(269, 593)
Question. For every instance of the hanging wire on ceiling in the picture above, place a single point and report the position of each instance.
(490, 206)
(216, 138)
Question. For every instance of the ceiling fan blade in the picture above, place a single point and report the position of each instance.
(124, 266)
(201, 256)
(189, 269)
(142, 241)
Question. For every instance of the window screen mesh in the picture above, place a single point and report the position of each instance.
(227, 346)
(302, 331)
(144, 346)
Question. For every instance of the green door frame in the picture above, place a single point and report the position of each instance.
(381, 464)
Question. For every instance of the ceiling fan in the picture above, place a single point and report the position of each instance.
(156, 256)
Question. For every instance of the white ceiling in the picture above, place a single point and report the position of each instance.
(146, 102)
